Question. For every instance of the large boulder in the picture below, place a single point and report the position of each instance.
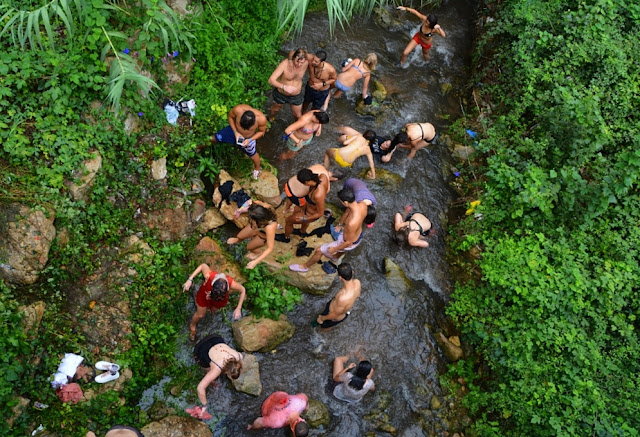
(208, 251)
(159, 169)
(317, 414)
(249, 380)
(84, 177)
(172, 223)
(265, 188)
(176, 426)
(32, 316)
(25, 239)
(227, 209)
(211, 219)
(262, 335)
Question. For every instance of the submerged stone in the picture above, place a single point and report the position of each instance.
(317, 414)
(262, 335)
(249, 380)
(396, 279)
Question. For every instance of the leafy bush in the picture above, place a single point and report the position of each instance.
(268, 295)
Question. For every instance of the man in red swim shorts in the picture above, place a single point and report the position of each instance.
(281, 409)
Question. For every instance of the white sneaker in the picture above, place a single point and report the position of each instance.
(105, 365)
(106, 377)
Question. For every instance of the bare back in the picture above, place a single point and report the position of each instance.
(345, 298)
(354, 148)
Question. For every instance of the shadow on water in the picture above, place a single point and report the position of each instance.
(389, 326)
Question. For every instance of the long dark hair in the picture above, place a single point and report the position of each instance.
(261, 215)
(360, 375)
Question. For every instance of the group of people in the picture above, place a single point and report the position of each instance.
(306, 194)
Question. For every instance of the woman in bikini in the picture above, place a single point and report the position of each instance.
(212, 354)
(413, 229)
(420, 135)
(301, 132)
(354, 145)
(424, 37)
(261, 230)
(353, 72)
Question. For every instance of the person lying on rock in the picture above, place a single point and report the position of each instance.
(338, 309)
(281, 409)
(213, 354)
(354, 145)
(261, 230)
(347, 238)
(213, 294)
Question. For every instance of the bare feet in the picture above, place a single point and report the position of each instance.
(233, 240)
(251, 256)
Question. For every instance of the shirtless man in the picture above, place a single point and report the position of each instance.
(418, 134)
(339, 308)
(322, 76)
(354, 145)
(313, 209)
(246, 125)
(346, 239)
(286, 81)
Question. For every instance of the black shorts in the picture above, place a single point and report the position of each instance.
(201, 351)
(330, 323)
(317, 98)
(281, 99)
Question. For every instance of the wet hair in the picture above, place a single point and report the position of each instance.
(322, 117)
(400, 138)
(360, 375)
(401, 236)
(219, 289)
(299, 54)
(369, 135)
(322, 55)
(371, 60)
(306, 175)
(371, 215)
(346, 195)
(261, 215)
(232, 368)
(345, 271)
(301, 429)
(433, 20)
(247, 119)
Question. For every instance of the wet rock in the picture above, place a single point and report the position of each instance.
(386, 19)
(378, 91)
(455, 340)
(198, 210)
(265, 188)
(463, 152)
(435, 403)
(159, 410)
(172, 223)
(18, 409)
(384, 178)
(176, 426)
(212, 219)
(31, 318)
(159, 169)
(450, 350)
(397, 280)
(445, 88)
(384, 400)
(317, 414)
(84, 177)
(131, 124)
(209, 252)
(249, 380)
(25, 239)
(412, 431)
(262, 335)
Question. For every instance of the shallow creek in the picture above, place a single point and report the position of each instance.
(389, 325)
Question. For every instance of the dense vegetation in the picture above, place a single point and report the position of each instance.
(70, 73)
(555, 313)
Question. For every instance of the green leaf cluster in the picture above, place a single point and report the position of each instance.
(268, 295)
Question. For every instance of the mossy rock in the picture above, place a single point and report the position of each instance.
(317, 414)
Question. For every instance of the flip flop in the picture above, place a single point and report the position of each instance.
(298, 268)
(106, 377)
(105, 365)
(329, 267)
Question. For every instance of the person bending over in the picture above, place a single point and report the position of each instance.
(281, 409)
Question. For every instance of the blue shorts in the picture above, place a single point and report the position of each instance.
(342, 87)
(227, 135)
(317, 98)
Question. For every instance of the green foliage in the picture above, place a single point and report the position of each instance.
(268, 295)
(555, 314)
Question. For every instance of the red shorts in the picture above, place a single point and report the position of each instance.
(417, 39)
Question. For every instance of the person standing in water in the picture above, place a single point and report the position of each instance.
(353, 386)
(286, 81)
(246, 125)
(322, 76)
(338, 309)
(303, 131)
(281, 409)
(424, 37)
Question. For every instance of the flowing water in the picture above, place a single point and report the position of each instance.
(390, 326)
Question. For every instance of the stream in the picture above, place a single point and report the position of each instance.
(391, 326)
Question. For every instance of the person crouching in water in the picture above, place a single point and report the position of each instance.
(261, 230)
(413, 229)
